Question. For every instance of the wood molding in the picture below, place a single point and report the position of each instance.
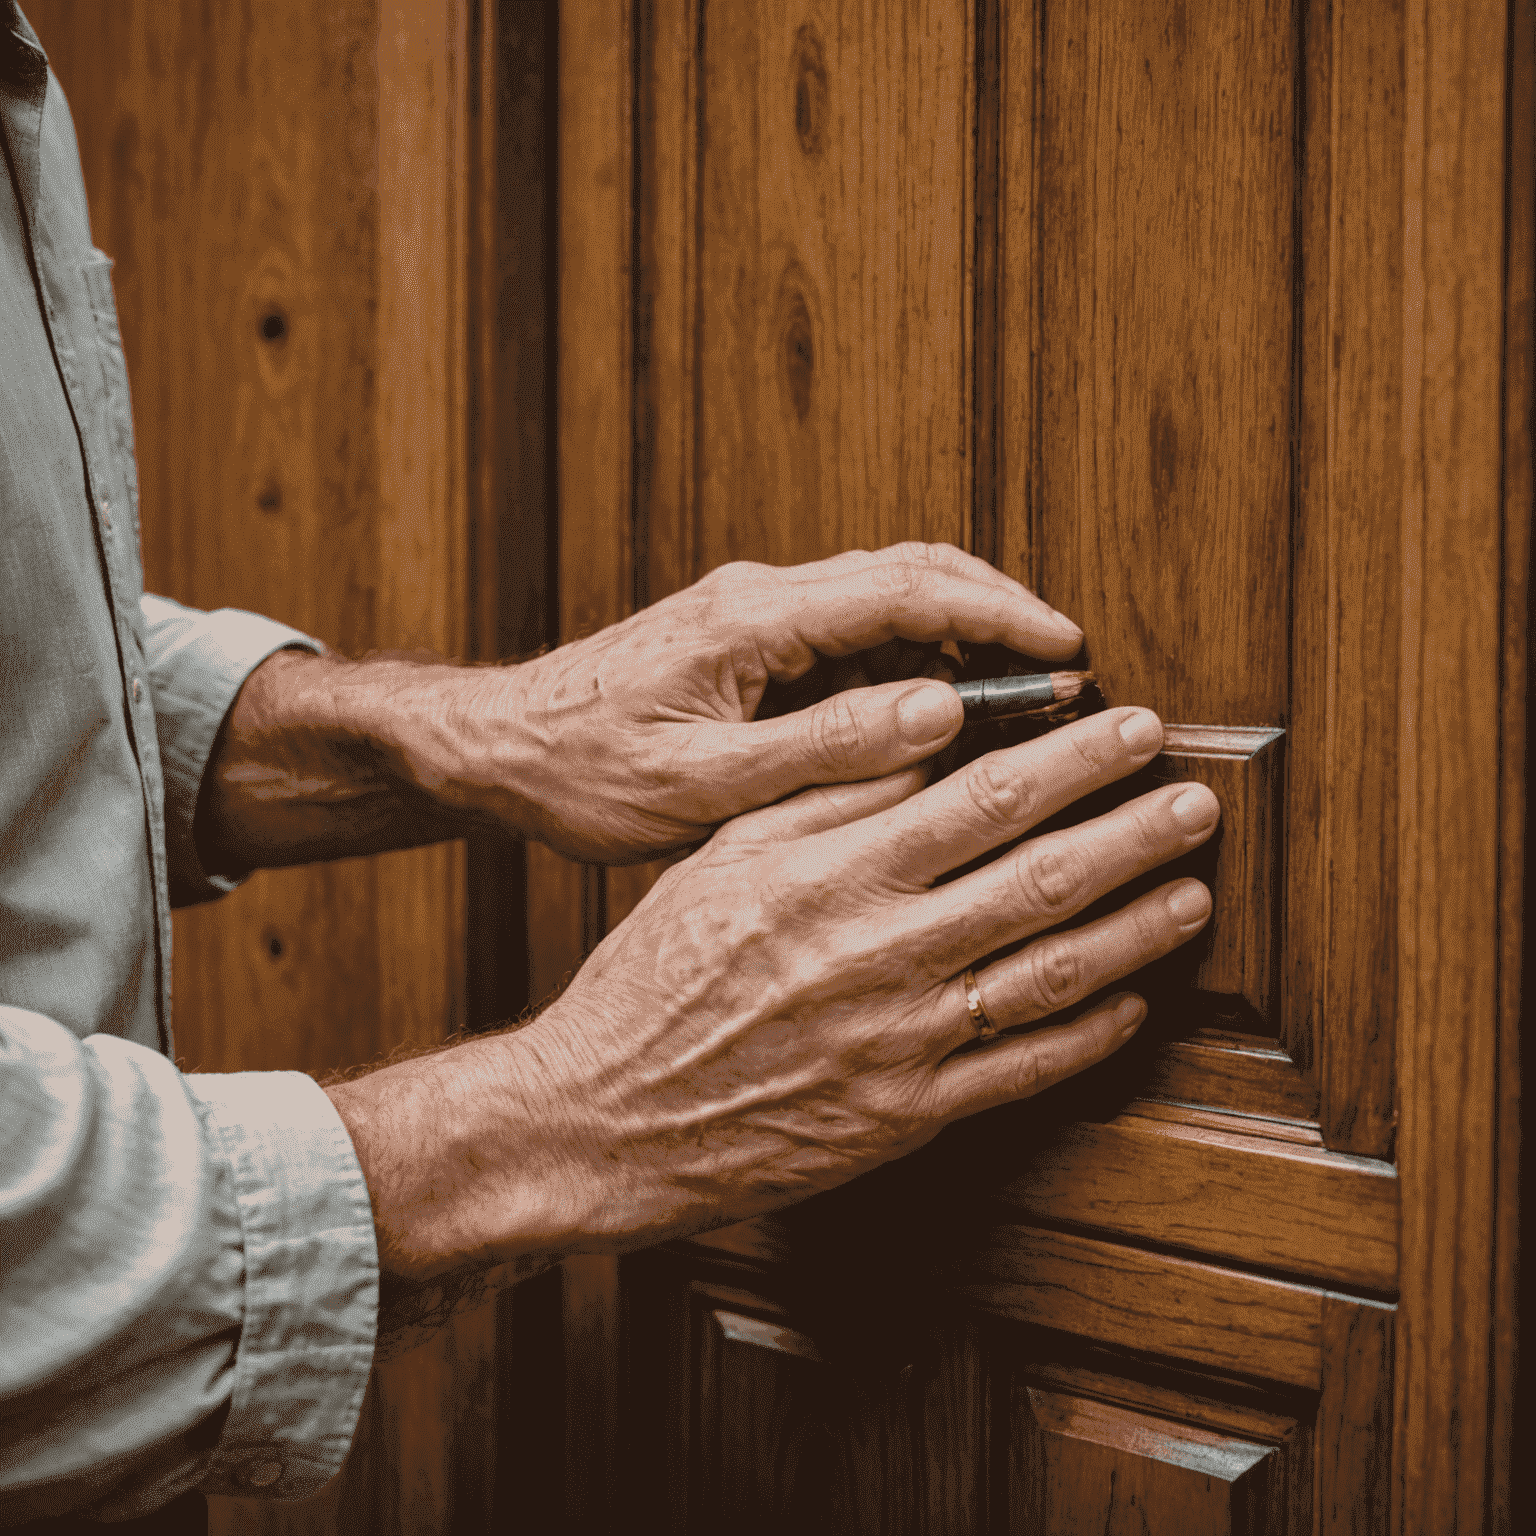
(1271, 1204)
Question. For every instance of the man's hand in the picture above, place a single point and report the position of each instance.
(784, 1011)
(634, 742)
(644, 737)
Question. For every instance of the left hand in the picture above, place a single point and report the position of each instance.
(643, 738)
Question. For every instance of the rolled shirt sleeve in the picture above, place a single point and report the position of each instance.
(189, 1290)
(197, 663)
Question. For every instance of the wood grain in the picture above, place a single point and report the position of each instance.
(1267, 1203)
(1341, 976)
(1175, 1308)
(790, 1440)
(1246, 1074)
(1511, 1494)
(1166, 263)
(832, 366)
(1450, 756)
(1354, 1419)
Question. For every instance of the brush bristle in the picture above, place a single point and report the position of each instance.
(1066, 686)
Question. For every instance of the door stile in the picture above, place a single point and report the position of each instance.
(1451, 756)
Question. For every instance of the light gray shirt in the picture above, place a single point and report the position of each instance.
(188, 1274)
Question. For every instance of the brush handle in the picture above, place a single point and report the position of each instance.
(1000, 698)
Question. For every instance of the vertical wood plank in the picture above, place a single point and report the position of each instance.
(1450, 755)
(597, 587)
(1018, 448)
(1354, 1419)
(668, 147)
(1517, 832)
(1341, 982)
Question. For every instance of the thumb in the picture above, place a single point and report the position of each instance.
(863, 733)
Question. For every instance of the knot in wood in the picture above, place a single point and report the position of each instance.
(810, 74)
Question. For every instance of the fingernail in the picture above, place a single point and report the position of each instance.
(927, 714)
(1188, 904)
(1065, 624)
(1195, 809)
(1129, 1014)
(1142, 732)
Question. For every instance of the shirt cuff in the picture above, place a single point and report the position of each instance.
(311, 1284)
(197, 664)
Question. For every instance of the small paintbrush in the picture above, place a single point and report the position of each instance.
(1042, 696)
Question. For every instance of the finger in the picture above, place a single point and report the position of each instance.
(914, 591)
(999, 797)
(1016, 1069)
(1062, 969)
(819, 810)
(1047, 880)
(863, 733)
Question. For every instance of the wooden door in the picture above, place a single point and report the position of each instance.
(1209, 320)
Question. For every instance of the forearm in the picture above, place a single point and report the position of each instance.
(323, 758)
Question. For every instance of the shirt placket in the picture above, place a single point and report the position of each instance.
(110, 524)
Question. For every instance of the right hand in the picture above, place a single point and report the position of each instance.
(784, 1009)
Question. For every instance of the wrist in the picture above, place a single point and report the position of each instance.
(465, 1160)
(308, 766)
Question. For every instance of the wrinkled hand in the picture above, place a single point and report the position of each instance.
(784, 1009)
(643, 738)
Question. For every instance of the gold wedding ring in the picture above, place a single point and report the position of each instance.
(985, 1028)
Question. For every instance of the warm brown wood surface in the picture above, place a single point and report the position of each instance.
(1135, 1299)
(1166, 258)
(1340, 980)
(1450, 756)
(1271, 1204)
(284, 189)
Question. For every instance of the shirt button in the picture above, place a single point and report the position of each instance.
(106, 511)
(138, 691)
(264, 1473)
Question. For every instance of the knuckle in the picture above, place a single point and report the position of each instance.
(1092, 752)
(1056, 973)
(1052, 876)
(834, 736)
(1002, 797)
(1149, 829)
(1024, 1078)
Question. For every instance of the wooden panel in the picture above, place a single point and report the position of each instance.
(1163, 223)
(1130, 1298)
(790, 1441)
(1077, 1464)
(832, 368)
(1451, 758)
(1341, 979)
(1239, 968)
(1266, 1203)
